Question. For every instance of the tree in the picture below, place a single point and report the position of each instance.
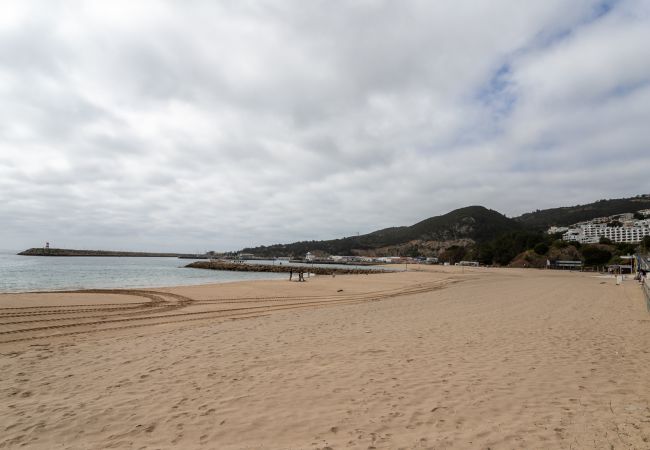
(625, 248)
(646, 243)
(485, 253)
(604, 240)
(559, 243)
(412, 250)
(595, 256)
(504, 250)
(453, 254)
(507, 246)
(541, 248)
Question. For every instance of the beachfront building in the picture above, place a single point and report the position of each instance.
(591, 232)
(390, 259)
(468, 263)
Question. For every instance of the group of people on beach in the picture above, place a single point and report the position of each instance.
(301, 275)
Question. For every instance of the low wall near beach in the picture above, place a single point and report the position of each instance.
(646, 290)
(242, 267)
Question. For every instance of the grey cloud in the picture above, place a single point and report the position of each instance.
(227, 124)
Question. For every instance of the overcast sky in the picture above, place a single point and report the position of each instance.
(215, 125)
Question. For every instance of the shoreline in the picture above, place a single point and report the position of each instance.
(62, 273)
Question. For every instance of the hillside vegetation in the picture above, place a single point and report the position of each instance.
(475, 233)
(470, 224)
(569, 215)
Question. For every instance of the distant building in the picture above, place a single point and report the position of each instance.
(469, 263)
(571, 265)
(590, 233)
(393, 259)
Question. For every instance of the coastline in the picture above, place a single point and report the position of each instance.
(439, 357)
(39, 274)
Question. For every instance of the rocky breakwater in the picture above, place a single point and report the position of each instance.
(243, 267)
(46, 251)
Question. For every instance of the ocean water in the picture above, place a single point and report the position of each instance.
(37, 273)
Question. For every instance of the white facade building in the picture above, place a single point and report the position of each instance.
(590, 233)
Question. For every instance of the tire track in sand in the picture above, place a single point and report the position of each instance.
(30, 323)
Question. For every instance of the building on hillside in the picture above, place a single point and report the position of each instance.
(553, 230)
(590, 233)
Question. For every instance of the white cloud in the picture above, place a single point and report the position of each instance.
(218, 125)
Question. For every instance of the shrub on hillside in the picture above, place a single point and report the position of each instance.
(645, 243)
(625, 248)
(559, 243)
(541, 248)
(595, 256)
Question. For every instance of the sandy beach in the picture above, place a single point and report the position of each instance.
(435, 358)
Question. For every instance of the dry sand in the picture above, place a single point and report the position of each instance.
(441, 358)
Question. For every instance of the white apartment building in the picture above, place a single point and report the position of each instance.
(590, 233)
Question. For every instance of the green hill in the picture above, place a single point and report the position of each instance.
(572, 214)
(474, 223)
(471, 232)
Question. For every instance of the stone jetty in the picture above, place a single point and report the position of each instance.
(243, 267)
(46, 251)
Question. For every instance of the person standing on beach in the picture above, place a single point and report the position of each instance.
(290, 274)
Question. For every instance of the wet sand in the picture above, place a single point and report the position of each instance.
(439, 358)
